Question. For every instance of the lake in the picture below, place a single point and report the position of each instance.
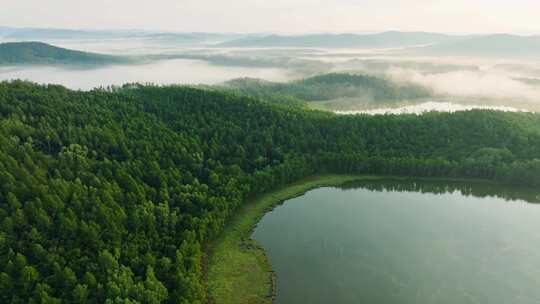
(406, 242)
(430, 106)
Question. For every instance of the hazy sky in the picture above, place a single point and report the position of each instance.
(519, 16)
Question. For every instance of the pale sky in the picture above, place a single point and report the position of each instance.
(285, 16)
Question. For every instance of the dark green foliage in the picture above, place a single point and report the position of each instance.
(331, 86)
(42, 53)
(109, 196)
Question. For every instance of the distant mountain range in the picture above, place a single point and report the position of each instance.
(401, 43)
(42, 53)
(26, 34)
(419, 43)
(379, 40)
(497, 45)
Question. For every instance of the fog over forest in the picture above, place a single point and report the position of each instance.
(150, 151)
(434, 61)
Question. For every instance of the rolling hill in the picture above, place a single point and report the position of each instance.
(42, 53)
(337, 90)
(498, 45)
(379, 40)
(55, 34)
(113, 196)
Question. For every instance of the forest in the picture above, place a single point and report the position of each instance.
(13, 53)
(325, 87)
(111, 195)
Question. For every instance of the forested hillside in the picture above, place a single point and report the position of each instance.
(42, 53)
(110, 196)
(363, 88)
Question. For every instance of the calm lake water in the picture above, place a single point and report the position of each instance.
(406, 242)
(437, 106)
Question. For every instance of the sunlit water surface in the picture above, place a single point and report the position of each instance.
(430, 107)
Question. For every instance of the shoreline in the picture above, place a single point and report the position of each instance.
(237, 268)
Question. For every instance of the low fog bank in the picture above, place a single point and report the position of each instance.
(177, 71)
(168, 59)
(500, 87)
(464, 80)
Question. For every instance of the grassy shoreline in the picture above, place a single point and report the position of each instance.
(237, 270)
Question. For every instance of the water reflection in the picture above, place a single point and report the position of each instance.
(475, 189)
(406, 241)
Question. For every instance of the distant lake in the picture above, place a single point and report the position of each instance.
(406, 242)
(177, 71)
(437, 106)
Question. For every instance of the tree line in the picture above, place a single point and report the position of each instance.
(109, 196)
(363, 89)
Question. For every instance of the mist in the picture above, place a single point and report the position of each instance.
(169, 59)
(467, 80)
(495, 85)
(175, 71)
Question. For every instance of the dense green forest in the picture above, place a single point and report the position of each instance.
(42, 53)
(110, 196)
(363, 88)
